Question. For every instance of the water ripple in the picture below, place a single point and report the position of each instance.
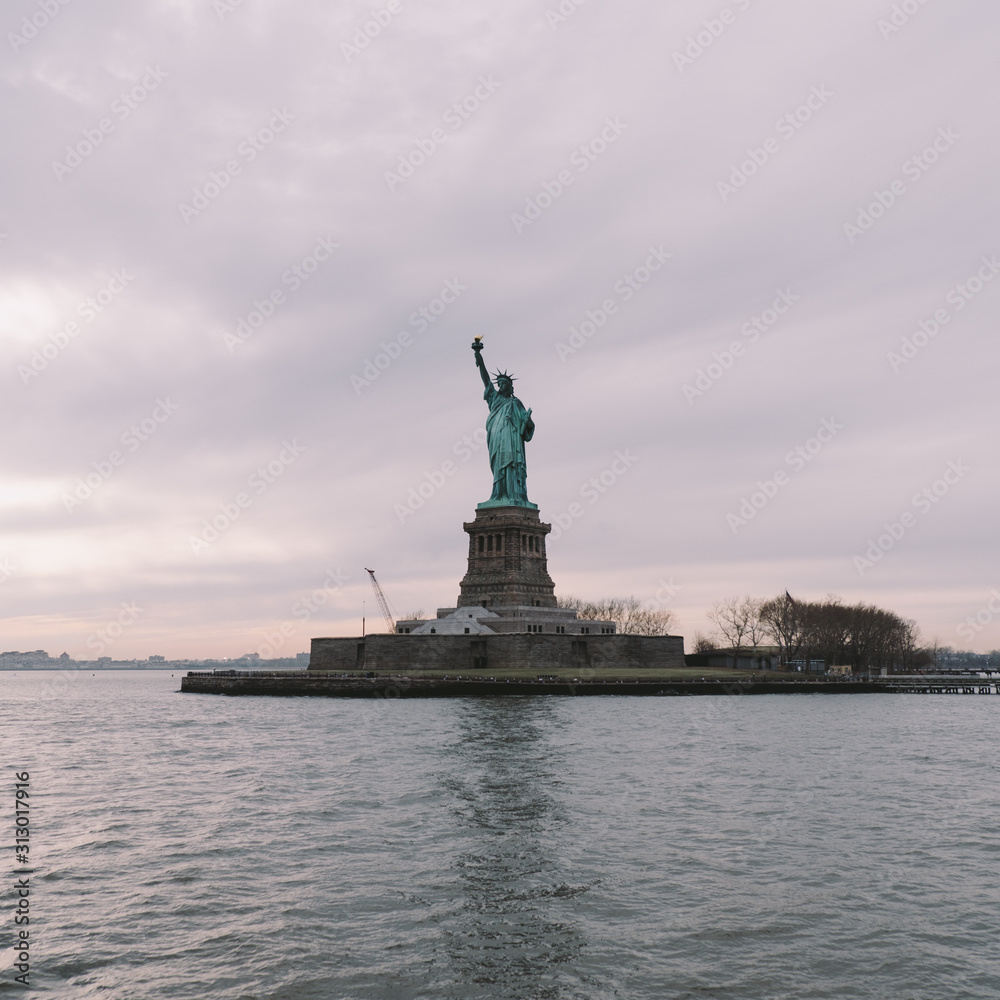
(556, 848)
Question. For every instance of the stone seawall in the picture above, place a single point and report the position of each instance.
(538, 652)
(302, 683)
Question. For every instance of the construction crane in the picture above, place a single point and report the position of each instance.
(382, 602)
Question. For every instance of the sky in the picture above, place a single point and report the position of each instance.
(740, 258)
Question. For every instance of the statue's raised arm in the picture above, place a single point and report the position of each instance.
(508, 426)
(477, 346)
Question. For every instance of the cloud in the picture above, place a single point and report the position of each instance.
(255, 111)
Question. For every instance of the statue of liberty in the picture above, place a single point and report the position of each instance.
(508, 426)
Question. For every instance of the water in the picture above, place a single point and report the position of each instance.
(198, 846)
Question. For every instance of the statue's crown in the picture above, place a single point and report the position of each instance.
(506, 375)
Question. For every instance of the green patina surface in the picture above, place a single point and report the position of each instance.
(508, 427)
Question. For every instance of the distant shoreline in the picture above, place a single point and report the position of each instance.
(85, 666)
(143, 667)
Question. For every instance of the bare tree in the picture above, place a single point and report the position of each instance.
(783, 621)
(933, 650)
(702, 643)
(737, 622)
(756, 633)
(630, 616)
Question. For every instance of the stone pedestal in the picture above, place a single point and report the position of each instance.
(507, 563)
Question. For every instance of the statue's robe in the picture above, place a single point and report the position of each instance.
(507, 428)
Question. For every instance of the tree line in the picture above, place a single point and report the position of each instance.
(631, 616)
(862, 636)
